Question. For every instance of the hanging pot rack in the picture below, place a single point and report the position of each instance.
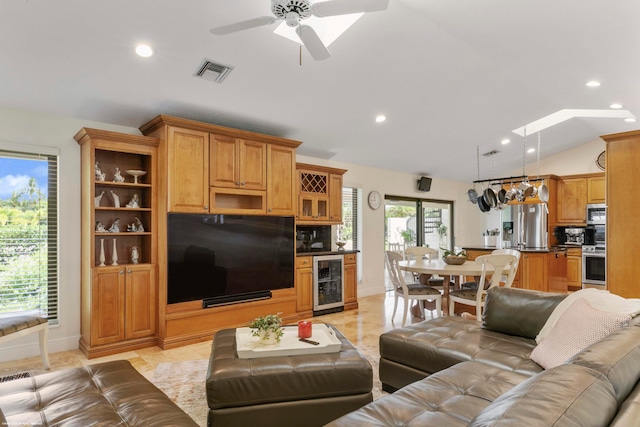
(508, 179)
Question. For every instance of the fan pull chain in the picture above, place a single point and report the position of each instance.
(301, 55)
(524, 150)
(478, 160)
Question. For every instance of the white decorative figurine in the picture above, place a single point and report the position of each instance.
(100, 227)
(115, 227)
(134, 202)
(100, 176)
(135, 255)
(116, 199)
(98, 198)
(117, 176)
(136, 226)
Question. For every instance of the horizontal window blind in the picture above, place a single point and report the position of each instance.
(29, 235)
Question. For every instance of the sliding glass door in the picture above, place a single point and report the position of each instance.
(418, 222)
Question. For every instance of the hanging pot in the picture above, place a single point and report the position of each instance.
(489, 197)
(543, 193)
(511, 193)
(473, 195)
(502, 196)
(484, 207)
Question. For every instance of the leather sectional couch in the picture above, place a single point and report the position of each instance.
(452, 371)
(106, 394)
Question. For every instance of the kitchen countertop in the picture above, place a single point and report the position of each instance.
(491, 248)
(319, 253)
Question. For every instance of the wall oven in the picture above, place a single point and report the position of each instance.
(596, 213)
(328, 286)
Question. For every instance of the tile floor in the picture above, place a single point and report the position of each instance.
(362, 327)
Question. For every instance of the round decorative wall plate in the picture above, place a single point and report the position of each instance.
(375, 200)
(600, 161)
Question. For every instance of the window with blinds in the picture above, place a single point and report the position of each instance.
(350, 229)
(29, 233)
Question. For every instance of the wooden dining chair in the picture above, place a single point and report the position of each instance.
(488, 280)
(413, 291)
(507, 283)
(421, 252)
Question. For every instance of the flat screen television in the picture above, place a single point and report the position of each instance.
(228, 258)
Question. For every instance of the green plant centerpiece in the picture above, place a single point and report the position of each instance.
(454, 258)
(268, 328)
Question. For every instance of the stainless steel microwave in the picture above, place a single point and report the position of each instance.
(596, 214)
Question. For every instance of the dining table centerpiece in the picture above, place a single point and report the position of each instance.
(268, 328)
(453, 258)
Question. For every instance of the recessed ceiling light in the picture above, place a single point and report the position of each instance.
(593, 83)
(630, 119)
(380, 118)
(505, 141)
(531, 150)
(144, 50)
(615, 106)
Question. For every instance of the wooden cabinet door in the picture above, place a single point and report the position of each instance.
(596, 189)
(140, 292)
(572, 201)
(304, 284)
(224, 162)
(350, 279)
(335, 198)
(534, 273)
(281, 180)
(574, 269)
(107, 305)
(188, 164)
(313, 208)
(252, 165)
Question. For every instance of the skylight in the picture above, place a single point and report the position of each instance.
(328, 28)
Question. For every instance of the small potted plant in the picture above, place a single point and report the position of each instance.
(268, 328)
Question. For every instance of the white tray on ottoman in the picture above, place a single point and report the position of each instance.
(249, 347)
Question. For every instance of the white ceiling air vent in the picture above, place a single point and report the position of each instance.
(212, 71)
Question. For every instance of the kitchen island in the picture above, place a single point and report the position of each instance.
(539, 269)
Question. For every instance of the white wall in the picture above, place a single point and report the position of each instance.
(24, 127)
(28, 128)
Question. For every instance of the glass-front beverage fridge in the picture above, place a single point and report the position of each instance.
(328, 286)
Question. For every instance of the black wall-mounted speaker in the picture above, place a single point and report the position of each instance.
(424, 183)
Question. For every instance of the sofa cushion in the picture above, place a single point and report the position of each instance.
(439, 343)
(565, 396)
(629, 411)
(617, 356)
(579, 326)
(109, 394)
(448, 398)
(599, 299)
(518, 312)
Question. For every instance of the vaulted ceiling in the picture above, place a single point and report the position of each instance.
(449, 75)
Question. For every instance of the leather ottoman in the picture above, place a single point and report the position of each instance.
(309, 390)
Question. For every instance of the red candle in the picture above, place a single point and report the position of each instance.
(304, 329)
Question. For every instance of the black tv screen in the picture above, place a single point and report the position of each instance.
(215, 256)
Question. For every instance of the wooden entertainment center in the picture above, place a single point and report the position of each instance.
(191, 167)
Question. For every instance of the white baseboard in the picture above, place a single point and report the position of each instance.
(29, 347)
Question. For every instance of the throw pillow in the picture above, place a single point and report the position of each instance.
(579, 326)
(601, 300)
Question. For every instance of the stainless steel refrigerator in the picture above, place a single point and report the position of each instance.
(524, 226)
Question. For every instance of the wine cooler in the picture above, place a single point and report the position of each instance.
(328, 287)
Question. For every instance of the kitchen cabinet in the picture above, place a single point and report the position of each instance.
(335, 194)
(118, 263)
(237, 163)
(350, 282)
(304, 285)
(572, 201)
(596, 189)
(319, 194)
(187, 168)
(534, 271)
(281, 180)
(123, 304)
(574, 269)
(622, 177)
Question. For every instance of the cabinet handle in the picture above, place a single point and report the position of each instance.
(206, 208)
(237, 183)
(129, 271)
(242, 183)
(121, 272)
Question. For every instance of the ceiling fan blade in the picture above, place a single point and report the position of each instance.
(244, 25)
(312, 42)
(345, 7)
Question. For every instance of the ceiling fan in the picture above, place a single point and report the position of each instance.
(293, 12)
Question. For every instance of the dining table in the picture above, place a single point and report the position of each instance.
(447, 271)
